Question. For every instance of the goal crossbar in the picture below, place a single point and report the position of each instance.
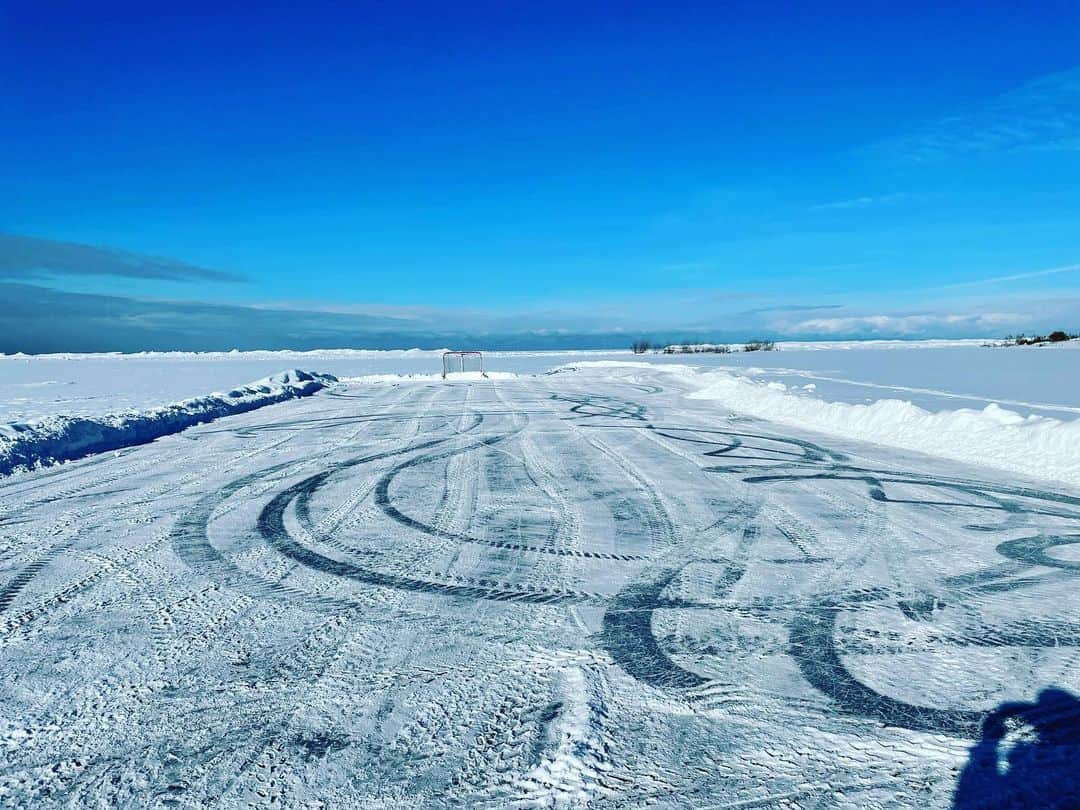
(450, 359)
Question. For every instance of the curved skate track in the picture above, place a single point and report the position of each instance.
(569, 590)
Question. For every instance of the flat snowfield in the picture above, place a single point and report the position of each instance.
(574, 589)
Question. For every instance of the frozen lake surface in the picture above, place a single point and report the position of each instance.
(576, 589)
(934, 375)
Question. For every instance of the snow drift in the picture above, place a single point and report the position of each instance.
(1037, 446)
(64, 438)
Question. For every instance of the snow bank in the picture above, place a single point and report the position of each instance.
(1037, 446)
(64, 438)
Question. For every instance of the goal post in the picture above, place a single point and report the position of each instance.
(460, 362)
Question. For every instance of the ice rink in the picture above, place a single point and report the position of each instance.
(578, 588)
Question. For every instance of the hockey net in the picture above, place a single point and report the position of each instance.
(462, 363)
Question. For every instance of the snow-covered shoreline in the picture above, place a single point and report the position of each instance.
(56, 439)
(389, 354)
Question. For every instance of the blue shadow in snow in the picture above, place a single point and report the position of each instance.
(1028, 756)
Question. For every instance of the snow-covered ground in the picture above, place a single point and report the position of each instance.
(941, 375)
(935, 375)
(578, 589)
(1032, 445)
(1016, 408)
(606, 586)
(34, 386)
(55, 439)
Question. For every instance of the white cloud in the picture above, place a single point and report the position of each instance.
(1040, 116)
(971, 324)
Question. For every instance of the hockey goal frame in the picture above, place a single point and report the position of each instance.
(448, 359)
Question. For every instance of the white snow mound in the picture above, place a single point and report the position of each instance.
(29, 445)
(1033, 445)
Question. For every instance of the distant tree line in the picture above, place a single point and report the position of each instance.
(644, 346)
(1057, 336)
(697, 348)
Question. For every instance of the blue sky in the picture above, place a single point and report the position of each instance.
(839, 169)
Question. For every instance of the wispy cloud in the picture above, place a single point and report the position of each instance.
(1042, 115)
(23, 257)
(793, 308)
(856, 203)
(1052, 271)
(40, 319)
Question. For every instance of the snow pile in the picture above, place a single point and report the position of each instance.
(1038, 446)
(64, 438)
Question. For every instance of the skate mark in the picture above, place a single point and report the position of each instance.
(191, 541)
(728, 441)
(812, 644)
(190, 536)
(589, 406)
(1033, 550)
(815, 641)
(384, 502)
(628, 636)
(271, 526)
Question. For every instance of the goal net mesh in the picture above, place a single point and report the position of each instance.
(462, 363)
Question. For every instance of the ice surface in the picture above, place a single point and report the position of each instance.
(933, 396)
(35, 386)
(459, 376)
(578, 589)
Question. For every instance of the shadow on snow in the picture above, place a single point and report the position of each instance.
(1028, 756)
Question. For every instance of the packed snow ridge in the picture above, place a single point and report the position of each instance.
(55, 439)
(1037, 446)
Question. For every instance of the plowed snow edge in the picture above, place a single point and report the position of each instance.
(26, 446)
